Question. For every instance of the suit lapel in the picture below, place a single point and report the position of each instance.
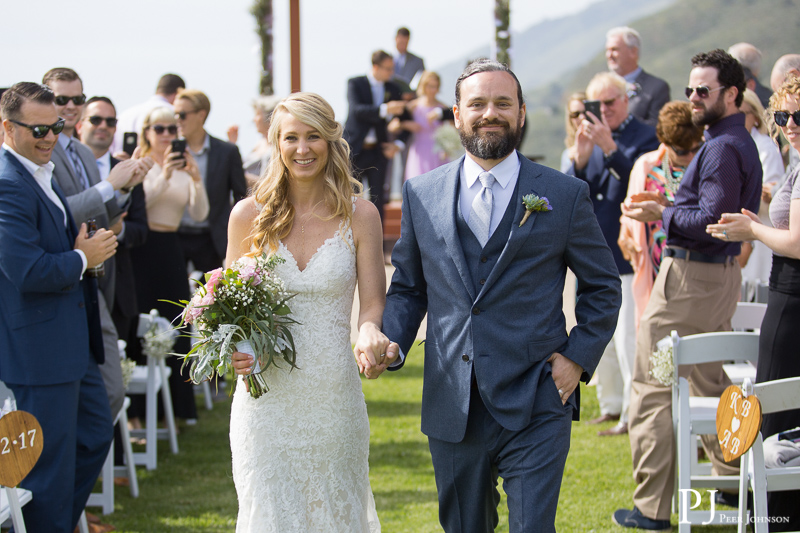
(64, 166)
(527, 184)
(214, 163)
(89, 165)
(444, 216)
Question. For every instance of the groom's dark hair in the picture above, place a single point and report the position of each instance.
(486, 65)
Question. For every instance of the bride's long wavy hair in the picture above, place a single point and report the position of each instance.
(274, 221)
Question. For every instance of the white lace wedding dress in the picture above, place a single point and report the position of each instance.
(300, 452)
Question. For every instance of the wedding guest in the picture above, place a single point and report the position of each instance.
(756, 258)
(131, 119)
(777, 350)
(423, 155)
(256, 161)
(573, 115)
(172, 186)
(656, 176)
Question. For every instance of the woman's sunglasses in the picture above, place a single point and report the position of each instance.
(159, 129)
(782, 117)
(702, 91)
(39, 131)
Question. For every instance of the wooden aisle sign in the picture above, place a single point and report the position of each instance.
(738, 422)
(20, 446)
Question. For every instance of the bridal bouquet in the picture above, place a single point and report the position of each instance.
(242, 308)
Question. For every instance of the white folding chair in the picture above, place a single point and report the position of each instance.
(774, 396)
(748, 315)
(149, 380)
(692, 416)
(12, 499)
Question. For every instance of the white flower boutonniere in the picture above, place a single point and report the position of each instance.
(534, 203)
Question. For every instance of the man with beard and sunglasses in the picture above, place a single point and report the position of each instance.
(606, 147)
(50, 338)
(698, 284)
(501, 374)
(91, 197)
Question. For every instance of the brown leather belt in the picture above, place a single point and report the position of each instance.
(369, 146)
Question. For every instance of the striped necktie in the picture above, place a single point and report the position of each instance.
(77, 165)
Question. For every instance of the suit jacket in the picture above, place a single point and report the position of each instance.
(135, 234)
(606, 191)
(225, 185)
(364, 114)
(649, 97)
(87, 203)
(505, 332)
(412, 65)
(49, 320)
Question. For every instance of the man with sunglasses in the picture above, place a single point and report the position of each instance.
(50, 339)
(220, 164)
(91, 197)
(698, 283)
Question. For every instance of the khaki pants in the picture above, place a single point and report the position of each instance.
(691, 298)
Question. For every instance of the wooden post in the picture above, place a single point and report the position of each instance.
(294, 25)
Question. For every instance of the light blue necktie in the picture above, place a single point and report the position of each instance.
(480, 216)
(77, 165)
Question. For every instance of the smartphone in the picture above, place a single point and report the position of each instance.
(129, 141)
(593, 107)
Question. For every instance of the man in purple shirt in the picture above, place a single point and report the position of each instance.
(698, 284)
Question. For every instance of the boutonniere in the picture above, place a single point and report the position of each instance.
(533, 203)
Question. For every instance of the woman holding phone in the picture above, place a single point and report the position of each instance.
(172, 186)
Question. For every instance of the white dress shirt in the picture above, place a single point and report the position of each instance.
(505, 174)
(43, 176)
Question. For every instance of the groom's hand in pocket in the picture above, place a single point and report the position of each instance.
(566, 374)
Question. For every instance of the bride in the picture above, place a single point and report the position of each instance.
(300, 451)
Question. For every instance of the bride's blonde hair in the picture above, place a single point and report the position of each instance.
(274, 221)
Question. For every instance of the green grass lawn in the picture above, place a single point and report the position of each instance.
(193, 491)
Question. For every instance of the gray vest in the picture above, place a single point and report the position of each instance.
(481, 261)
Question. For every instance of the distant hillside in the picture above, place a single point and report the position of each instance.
(670, 38)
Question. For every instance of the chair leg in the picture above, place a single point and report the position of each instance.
(16, 509)
(207, 395)
(83, 526)
(128, 451)
(168, 412)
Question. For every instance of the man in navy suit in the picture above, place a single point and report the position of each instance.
(647, 93)
(406, 64)
(501, 373)
(372, 100)
(606, 148)
(220, 164)
(50, 340)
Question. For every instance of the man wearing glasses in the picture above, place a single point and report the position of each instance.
(606, 147)
(91, 197)
(699, 281)
(50, 340)
(372, 100)
(220, 165)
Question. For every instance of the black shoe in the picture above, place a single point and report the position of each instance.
(732, 500)
(635, 519)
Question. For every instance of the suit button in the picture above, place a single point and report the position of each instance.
(476, 311)
(482, 282)
(484, 259)
(599, 196)
(465, 358)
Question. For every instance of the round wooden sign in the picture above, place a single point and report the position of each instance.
(738, 422)
(20, 446)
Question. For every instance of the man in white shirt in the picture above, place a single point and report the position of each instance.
(50, 341)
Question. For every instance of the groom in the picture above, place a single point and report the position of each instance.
(501, 373)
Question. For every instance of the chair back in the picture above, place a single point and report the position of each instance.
(778, 395)
(714, 347)
(748, 315)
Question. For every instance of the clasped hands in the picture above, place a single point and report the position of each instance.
(734, 227)
(373, 351)
(645, 206)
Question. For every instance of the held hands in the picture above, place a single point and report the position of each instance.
(98, 248)
(373, 351)
(734, 227)
(389, 150)
(566, 375)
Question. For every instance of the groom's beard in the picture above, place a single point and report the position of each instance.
(490, 145)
